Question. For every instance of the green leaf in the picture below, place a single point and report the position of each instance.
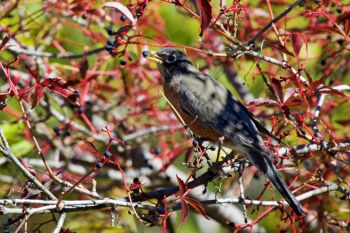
(21, 148)
(13, 132)
(174, 19)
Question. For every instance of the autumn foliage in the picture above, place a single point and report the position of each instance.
(88, 142)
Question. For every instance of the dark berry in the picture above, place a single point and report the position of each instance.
(76, 94)
(340, 42)
(339, 10)
(145, 53)
(110, 42)
(212, 147)
(123, 62)
(58, 131)
(67, 132)
(157, 150)
(88, 104)
(302, 3)
(108, 48)
(110, 31)
(107, 154)
(323, 62)
(72, 104)
(99, 164)
(123, 18)
(80, 110)
(136, 180)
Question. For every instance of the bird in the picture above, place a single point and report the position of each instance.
(213, 113)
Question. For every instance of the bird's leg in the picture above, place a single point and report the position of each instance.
(220, 143)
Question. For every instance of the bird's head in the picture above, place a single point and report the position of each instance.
(171, 62)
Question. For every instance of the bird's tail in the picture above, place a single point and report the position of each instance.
(263, 162)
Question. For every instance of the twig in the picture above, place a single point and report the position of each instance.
(304, 196)
(19, 49)
(79, 205)
(241, 192)
(307, 148)
(69, 206)
(316, 116)
(6, 151)
(60, 223)
(273, 21)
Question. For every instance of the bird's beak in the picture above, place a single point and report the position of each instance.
(153, 56)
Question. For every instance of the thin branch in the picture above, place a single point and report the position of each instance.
(19, 49)
(60, 223)
(6, 151)
(307, 148)
(69, 206)
(273, 21)
(316, 116)
(85, 205)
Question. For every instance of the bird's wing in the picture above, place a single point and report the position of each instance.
(261, 128)
(213, 105)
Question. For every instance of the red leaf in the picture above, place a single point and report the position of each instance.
(56, 85)
(196, 205)
(136, 186)
(38, 94)
(184, 212)
(4, 42)
(23, 93)
(331, 91)
(182, 185)
(84, 66)
(15, 79)
(326, 28)
(205, 14)
(293, 102)
(297, 42)
(343, 17)
(277, 87)
(262, 101)
(92, 148)
(282, 48)
(123, 9)
(52, 82)
(33, 74)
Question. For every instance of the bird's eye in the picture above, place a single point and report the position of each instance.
(171, 58)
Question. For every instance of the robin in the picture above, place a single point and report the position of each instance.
(211, 112)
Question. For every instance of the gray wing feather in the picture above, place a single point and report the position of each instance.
(217, 109)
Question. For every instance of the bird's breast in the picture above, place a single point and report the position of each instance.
(198, 128)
